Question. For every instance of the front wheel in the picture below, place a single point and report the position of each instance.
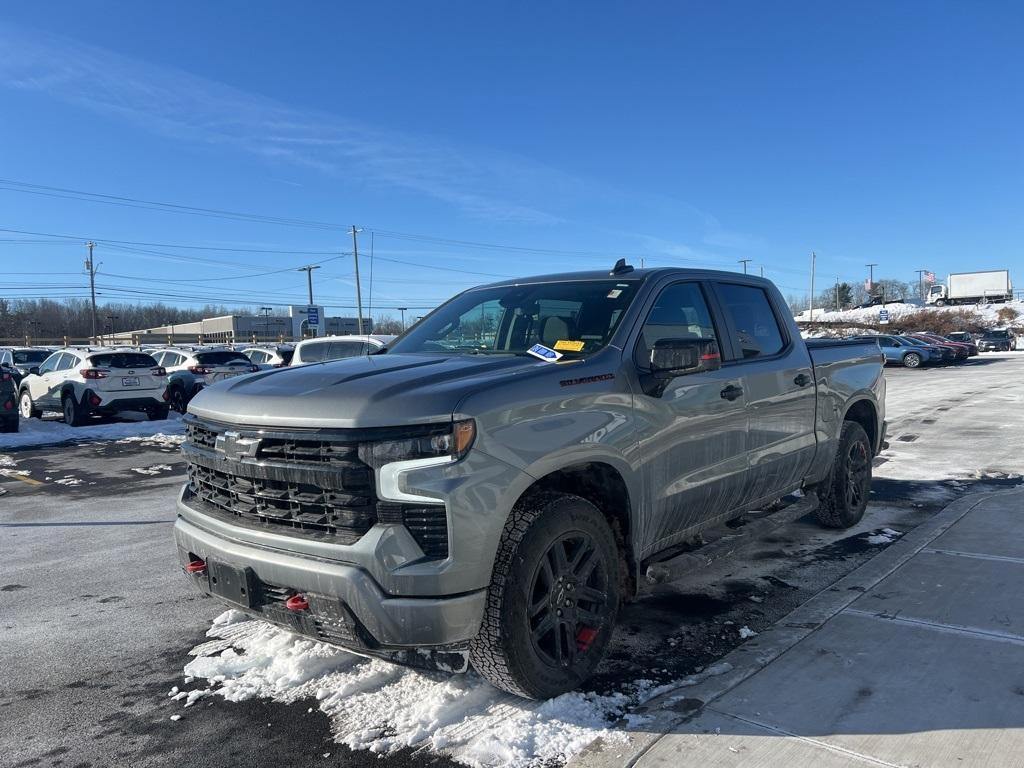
(178, 400)
(940, 303)
(911, 360)
(27, 408)
(844, 495)
(553, 598)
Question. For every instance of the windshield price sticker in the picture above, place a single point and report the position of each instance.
(567, 345)
(544, 353)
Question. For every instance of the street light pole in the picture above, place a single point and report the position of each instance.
(871, 279)
(920, 283)
(308, 269)
(744, 262)
(402, 310)
(814, 259)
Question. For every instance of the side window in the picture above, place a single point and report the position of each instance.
(340, 349)
(50, 363)
(314, 353)
(757, 329)
(680, 312)
(66, 362)
(887, 343)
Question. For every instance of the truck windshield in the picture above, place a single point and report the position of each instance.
(572, 317)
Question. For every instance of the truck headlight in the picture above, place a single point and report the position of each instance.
(436, 446)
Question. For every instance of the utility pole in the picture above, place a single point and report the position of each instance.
(91, 266)
(308, 269)
(744, 262)
(266, 319)
(112, 318)
(402, 310)
(359, 291)
(814, 259)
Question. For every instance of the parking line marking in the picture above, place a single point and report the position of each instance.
(955, 629)
(975, 555)
(23, 478)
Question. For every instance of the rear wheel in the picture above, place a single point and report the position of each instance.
(74, 414)
(178, 400)
(911, 360)
(844, 495)
(158, 412)
(553, 598)
(26, 407)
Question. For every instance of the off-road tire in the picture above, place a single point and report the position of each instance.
(74, 414)
(911, 360)
(158, 412)
(30, 412)
(504, 651)
(9, 425)
(178, 400)
(843, 496)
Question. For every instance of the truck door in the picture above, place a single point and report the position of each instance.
(778, 382)
(691, 429)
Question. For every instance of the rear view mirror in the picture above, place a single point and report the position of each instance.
(679, 357)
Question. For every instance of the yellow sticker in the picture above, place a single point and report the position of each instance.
(564, 345)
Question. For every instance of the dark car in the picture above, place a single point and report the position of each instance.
(21, 359)
(8, 400)
(1001, 340)
(972, 348)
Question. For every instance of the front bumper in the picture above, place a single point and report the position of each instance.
(346, 606)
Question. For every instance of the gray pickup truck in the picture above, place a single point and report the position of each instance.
(487, 488)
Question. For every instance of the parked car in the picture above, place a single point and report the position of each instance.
(276, 356)
(84, 382)
(972, 348)
(190, 370)
(961, 352)
(907, 352)
(325, 348)
(946, 354)
(961, 336)
(447, 504)
(997, 340)
(21, 359)
(8, 399)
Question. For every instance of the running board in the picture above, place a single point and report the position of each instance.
(730, 542)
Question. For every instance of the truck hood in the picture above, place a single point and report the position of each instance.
(369, 391)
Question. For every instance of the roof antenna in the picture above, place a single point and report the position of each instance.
(621, 268)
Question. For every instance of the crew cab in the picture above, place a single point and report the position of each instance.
(85, 382)
(488, 487)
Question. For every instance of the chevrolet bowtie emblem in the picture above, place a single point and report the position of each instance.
(233, 446)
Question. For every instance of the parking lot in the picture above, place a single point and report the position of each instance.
(98, 621)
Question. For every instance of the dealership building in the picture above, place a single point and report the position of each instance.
(300, 322)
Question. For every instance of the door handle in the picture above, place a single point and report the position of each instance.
(731, 392)
(802, 380)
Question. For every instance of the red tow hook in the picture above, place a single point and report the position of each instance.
(195, 566)
(297, 603)
(585, 637)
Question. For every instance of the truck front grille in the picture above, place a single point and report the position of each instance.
(312, 485)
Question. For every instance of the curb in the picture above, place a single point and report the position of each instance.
(674, 707)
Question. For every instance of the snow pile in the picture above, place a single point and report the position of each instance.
(897, 310)
(380, 707)
(884, 536)
(35, 432)
(746, 633)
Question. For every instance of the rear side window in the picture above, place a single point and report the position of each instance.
(340, 349)
(221, 358)
(66, 361)
(122, 360)
(756, 327)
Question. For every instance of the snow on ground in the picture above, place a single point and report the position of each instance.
(35, 432)
(898, 310)
(377, 706)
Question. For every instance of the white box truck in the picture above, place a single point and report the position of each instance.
(972, 288)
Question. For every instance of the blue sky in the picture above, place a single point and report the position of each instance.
(684, 133)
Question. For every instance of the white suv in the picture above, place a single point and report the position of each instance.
(82, 382)
(189, 370)
(324, 348)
